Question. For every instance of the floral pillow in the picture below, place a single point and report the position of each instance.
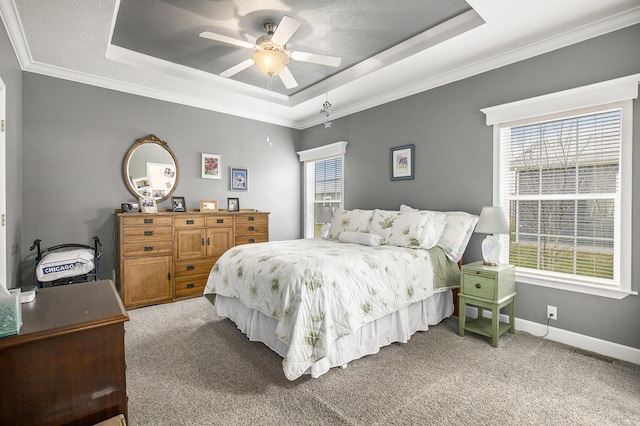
(399, 229)
(349, 220)
(456, 234)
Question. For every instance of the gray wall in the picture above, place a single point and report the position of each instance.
(75, 140)
(12, 77)
(454, 161)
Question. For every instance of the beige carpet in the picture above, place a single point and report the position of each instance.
(186, 366)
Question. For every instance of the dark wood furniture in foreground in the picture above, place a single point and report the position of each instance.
(67, 365)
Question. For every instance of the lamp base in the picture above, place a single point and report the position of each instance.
(491, 250)
(324, 231)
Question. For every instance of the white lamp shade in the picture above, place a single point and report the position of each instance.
(326, 214)
(492, 221)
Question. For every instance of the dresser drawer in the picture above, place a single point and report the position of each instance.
(251, 219)
(189, 286)
(148, 233)
(187, 268)
(219, 221)
(250, 239)
(135, 219)
(479, 285)
(189, 222)
(252, 228)
(147, 248)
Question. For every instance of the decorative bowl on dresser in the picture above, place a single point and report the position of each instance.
(167, 256)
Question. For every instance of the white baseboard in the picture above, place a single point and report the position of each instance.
(588, 343)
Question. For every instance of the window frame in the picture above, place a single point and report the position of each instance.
(622, 90)
(309, 157)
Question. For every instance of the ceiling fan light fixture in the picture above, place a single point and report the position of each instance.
(270, 59)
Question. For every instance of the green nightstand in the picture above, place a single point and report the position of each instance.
(487, 287)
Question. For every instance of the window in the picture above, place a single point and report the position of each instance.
(324, 183)
(564, 177)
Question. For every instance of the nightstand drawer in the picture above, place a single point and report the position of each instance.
(479, 286)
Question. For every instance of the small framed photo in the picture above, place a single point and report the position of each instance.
(402, 162)
(233, 204)
(178, 204)
(210, 165)
(148, 205)
(208, 205)
(239, 179)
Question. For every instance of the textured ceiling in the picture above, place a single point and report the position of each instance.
(352, 30)
(151, 48)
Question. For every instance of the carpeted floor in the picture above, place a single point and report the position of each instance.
(186, 366)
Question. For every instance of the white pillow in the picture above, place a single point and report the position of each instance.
(349, 220)
(457, 232)
(399, 229)
(433, 229)
(363, 238)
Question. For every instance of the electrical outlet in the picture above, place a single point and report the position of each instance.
(552, 312)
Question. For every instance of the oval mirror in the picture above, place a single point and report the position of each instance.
(151, 169)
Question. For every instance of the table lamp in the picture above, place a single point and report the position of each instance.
(325, 216)
(492, 221)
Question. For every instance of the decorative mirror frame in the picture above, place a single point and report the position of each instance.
(125, 165)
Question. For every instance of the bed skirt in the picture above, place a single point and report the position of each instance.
(395, 327)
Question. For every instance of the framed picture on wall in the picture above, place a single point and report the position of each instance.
(233, 204)
(402, 162)
(210, 166)
(208, 205)
(239, 179)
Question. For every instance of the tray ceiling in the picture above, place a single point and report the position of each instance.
(389, 50)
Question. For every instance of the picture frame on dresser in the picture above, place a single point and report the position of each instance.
(239, 179)
(402, 162)
(148, 205)
(233, 204)
(208, 205)
(179, 204)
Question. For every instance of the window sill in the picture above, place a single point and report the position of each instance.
(560, 284)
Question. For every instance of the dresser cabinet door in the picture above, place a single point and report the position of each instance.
(219, 240)
(149, 281)
(190, 243)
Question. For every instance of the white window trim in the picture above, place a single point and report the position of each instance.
(308, 157)
(623, 90)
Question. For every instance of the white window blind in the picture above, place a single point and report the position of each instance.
(560, 183)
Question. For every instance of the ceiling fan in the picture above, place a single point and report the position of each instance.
(271, 55)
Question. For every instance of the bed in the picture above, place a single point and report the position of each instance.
(378, 278)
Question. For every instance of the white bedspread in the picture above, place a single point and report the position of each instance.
(321, 290)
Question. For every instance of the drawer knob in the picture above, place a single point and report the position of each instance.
(190, 222)
(191, 285)
(251, 240)
(148, 248)
(478, 285)
(148, 221)
(148, 233)
(190, 267)
(251, 228)
(251, 218)
(219, 220)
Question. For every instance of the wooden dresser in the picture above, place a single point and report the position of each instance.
(162, 257)
(67, 364)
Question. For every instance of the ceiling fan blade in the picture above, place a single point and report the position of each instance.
(285, 30)
(225, 39)
(287, 78)
(332, 61)
(236, 69)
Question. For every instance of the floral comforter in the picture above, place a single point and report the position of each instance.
(321, 290)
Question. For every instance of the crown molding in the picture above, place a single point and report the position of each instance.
(18, 40)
